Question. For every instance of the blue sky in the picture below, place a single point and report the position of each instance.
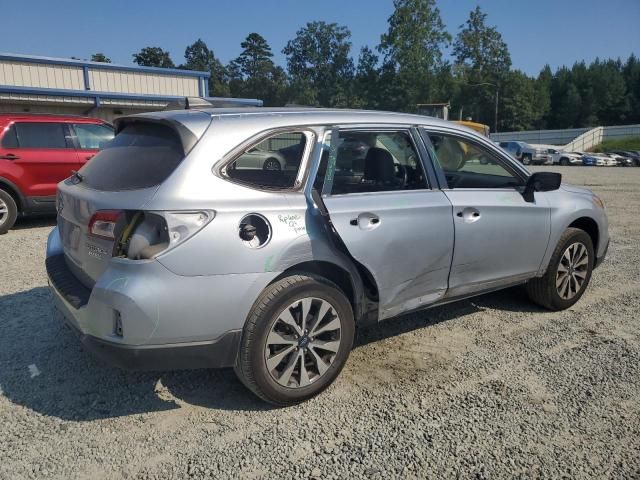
(537, 31)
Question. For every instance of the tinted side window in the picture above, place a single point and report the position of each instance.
(468, 165)
(142, 155)
(376, 162)
(10, 139)
(41, 135)
(272, 163)
(91, 136)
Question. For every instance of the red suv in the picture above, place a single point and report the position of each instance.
(38, 151)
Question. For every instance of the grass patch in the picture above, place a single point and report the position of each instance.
(627, 143)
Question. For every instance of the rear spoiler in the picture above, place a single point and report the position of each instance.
(187, 137)
(194, 103)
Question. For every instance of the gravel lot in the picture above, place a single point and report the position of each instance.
(489, 388)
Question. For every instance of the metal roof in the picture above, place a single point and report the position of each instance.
(18, 57)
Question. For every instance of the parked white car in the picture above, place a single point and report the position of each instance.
(621, 160)
(261, 157)
(609, 160)
(560, 157)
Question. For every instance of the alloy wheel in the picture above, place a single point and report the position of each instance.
(572, 270)
(4, 211)
(303, 342)
(271, 164)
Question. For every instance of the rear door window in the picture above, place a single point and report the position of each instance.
(376, 161)
(92, 136)
(142, 155)
(42, 135)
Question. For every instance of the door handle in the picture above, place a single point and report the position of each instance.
(366, 221)
(9, 156)
(469, 214)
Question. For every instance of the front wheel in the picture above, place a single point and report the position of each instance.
(526, 159)
(568, 273)
(297, 338)
(564, 162)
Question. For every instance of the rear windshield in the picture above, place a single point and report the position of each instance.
(142, 155)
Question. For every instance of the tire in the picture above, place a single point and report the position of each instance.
(8, 212)
(265, 323)
(544, 291)
(271, 164)
(526, 159)
(564, 162)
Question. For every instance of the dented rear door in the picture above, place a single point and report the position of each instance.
(404, 238)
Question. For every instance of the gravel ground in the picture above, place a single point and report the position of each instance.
(493, 387)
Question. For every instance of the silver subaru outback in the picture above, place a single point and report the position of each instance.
(178, 247)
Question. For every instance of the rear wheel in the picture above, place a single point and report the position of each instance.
(8, 212)
(568, 273)
(297, 338)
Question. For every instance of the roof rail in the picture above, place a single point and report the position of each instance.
(195, 103)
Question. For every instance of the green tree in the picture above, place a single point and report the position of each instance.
(253, 73)
(631, 73)
(482, 61)
(153, 57)
(367, 80)
(481, 50)
(412, 53)
(199, 57)
(100, 57)
(543, 97)
(319, 64)
(611, 104)
(566, 100)
(518, 109)
(256, 55)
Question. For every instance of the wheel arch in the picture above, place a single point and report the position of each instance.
(14, 191)
(590, 226)
(359, 286)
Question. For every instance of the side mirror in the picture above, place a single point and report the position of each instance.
(541, 182)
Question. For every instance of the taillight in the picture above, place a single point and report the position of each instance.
(103, 224)
(158, 232)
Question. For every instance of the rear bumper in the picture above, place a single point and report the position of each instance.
(140, 315)
(218, 353)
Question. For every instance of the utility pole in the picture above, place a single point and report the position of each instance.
(495, 118)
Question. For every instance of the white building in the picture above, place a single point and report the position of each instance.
(58, 85)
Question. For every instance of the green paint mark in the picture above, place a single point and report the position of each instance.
(267, 263)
